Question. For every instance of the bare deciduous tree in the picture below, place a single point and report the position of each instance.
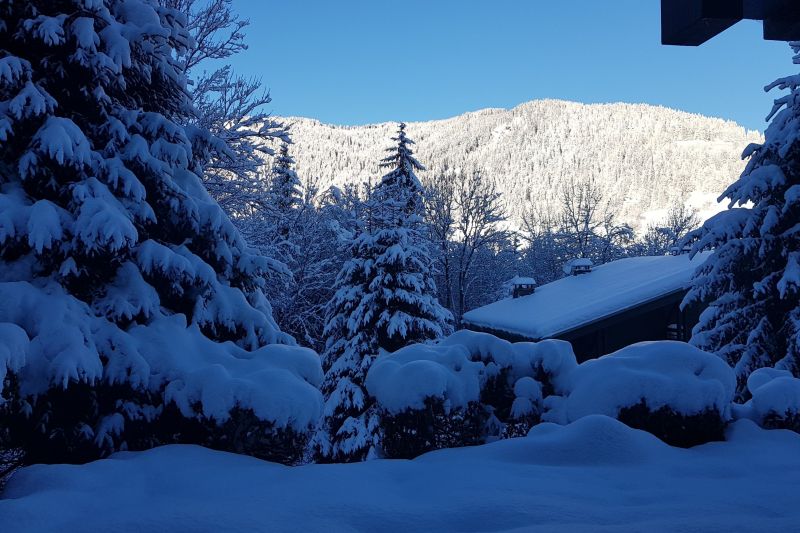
(229, 106)
(440, 215)
(589, 226)
(479, 215)
(666, 234)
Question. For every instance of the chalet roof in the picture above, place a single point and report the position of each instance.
(574, 301)
(518, 280)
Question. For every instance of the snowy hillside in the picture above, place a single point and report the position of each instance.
(645, 157)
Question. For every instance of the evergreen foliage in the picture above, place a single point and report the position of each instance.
(752, 281)
(120, 277)
(385, 300)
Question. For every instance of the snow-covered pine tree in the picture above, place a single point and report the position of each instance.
(402, 296)
(385, 299)
(752, 280)
(119, 275)
(285, 191)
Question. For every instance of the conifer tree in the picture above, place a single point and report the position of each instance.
(119, 275)
(752, 280)
(385, 300)
(285, 191)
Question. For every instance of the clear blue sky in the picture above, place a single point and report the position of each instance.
(364, 61)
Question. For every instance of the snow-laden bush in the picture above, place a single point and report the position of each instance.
(107, 387)
(465, 389)
(132, 313)
(526, 409)
(675, 391)
(775, 402)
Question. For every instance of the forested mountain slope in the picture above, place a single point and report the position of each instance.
(644, 157)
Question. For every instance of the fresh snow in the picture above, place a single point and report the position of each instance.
(779, 397)
(278, 382)
(570, 302)
(775, 393)
(593, 475)
(663, 374)
(457, 368)
(405, 379)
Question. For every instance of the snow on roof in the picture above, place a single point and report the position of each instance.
(574, 301)
(582, 261)
(517, 280)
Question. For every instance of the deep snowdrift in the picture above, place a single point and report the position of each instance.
(593, 475)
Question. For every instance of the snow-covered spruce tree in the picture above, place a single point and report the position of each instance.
(119, 275)
(285, 191)
(269, 224)
(752, 280)
(385, 299)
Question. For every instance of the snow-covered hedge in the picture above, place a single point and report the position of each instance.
(775, 402)
(671, 389)
(53, 343)
(472, 387)
(467, 388)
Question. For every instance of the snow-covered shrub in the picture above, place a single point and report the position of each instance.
(126, 294)
(671, 389)
(548, 362)
(466, 389)
(775, 402)
(437, 425)
(526, 409)
(107, 388)
(428, 399)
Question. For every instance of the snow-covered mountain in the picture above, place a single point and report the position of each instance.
(644, 157)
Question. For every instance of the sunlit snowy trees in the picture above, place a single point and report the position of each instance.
(663, 236)
(120, 277)
(752, 282)
(385, 299)
(465, 215)
(646, 157)
(230, 106)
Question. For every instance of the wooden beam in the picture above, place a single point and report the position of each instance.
(781, 20)
(693, 22)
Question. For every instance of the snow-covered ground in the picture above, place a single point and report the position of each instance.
(592, 475)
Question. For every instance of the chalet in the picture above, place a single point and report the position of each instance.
(613, 305)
